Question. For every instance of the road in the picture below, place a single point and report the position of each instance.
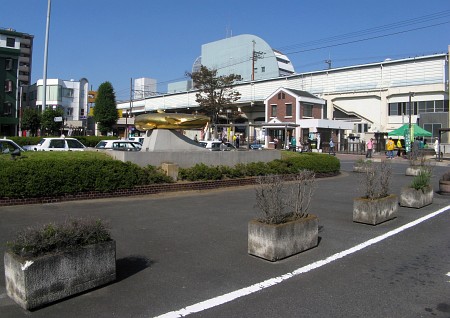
(186, 250)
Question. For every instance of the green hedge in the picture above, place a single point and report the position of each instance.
(58, 175)
(290, 164)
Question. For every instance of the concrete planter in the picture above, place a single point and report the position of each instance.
(35, 282)
(359, 169)
(277, 241)
(413, 198)
(444, 184)
(413, 170)
(375, 211)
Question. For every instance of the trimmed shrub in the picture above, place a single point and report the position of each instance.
(316, 162)
(59, 174)
(63, 237)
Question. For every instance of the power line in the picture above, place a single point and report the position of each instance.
(316, 44)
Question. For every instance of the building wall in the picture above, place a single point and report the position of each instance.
(234, 56)
(364, 90)
(71, 96)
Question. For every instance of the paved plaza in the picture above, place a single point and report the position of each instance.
(186, 252)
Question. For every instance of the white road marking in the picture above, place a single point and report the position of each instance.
(220, 300)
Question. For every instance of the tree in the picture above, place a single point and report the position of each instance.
(105, 112)
(48, 124)
(215, 92)
(31, 120)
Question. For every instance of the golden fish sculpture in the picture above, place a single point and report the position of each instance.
(161, 120)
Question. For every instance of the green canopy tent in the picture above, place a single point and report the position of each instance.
(418, 131)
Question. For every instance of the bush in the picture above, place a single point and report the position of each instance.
(41, 174)
(55, 238)
(291, 164)
(422, 180)
(375, 180)
(315, 162)
(200, 172)
(279, 202)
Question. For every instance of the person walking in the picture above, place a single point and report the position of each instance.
(390, 148)
(369, 145)
(436, 147)
(331, 147)
(293, 144)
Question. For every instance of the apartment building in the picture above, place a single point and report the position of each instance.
(15, 72)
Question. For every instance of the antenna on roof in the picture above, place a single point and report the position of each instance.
(228, 31)
(328, 61)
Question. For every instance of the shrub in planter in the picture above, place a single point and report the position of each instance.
(54, 261)
(376, 205)
(284, 227)
(420, 192)
(417, 162)
(362, 165)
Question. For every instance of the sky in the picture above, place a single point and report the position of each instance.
(116, 41)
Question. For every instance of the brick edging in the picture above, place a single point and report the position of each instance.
(145, 189)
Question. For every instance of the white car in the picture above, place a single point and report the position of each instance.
(7, 146)
(214, 145)
(57, 144)
(121, 145)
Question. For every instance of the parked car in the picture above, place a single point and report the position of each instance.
(7, 146)
(214, 145)
(138, 139)
(256, 146)
(57, 144)
(121, 145)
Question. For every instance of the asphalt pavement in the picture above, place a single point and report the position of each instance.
(186, 252)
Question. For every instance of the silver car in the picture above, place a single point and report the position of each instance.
(121, 145)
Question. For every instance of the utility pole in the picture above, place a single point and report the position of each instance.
(255, 56)
(44, 98)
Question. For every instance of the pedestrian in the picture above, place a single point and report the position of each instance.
(294, 144)
(331, 147)
(369, 148)
(223, 146)
(436, 147)
(390, 148)
(237, 141)
(275, 143)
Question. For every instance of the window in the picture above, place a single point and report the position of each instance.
(57, 143)
(431, 106)
(8, 64)
(281, 95)
(68, 92)
(273, 111)
(263, 69)
(8, 86)
(10, 42)
(362, 128)
(434, 128)
(7, 109)
(393, 109)
(288, 110)
(307, 110)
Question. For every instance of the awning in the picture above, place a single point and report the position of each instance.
(418, 131)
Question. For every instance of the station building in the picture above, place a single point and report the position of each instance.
(375, 98)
